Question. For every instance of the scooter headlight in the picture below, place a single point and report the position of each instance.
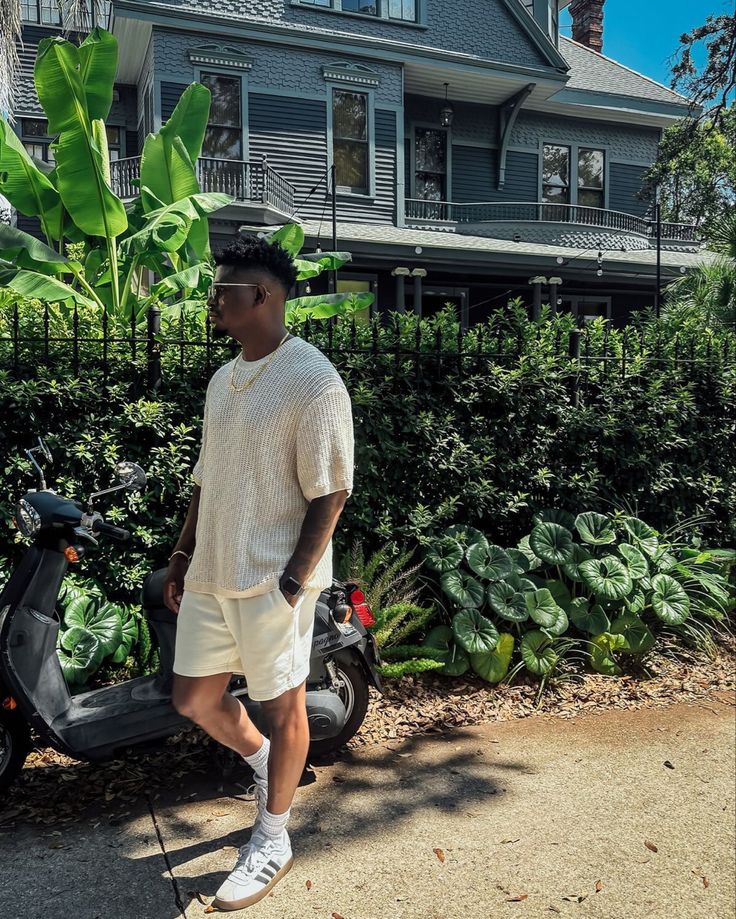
(27, 518)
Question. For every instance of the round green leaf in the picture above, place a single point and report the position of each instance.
(639, 639)
(542, 608)
(607, 577)
(595, 529)
(520, 560)
(464, 535)
(446, 555)
(592, 620)
(635, 560)
(455, 659)
(571, 568)
(601, 654)
(537, 653)
(637, 602)
(489, 561)
(552, 543)
(102, 620)
(494, 665)
(560, 626)
(507, 602)
(554, 515)
(642, 535)
(80, 655)
(560, 593)
(474, 632)
(130, 636)
(533, 561)
(463, 589)
(669, 600)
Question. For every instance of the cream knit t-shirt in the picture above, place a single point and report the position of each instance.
(266, 453)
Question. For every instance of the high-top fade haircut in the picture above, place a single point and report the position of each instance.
(249, 252)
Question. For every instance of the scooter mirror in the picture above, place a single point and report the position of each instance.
(131, 475)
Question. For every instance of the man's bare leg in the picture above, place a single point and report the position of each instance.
(289, 735)
(206, 702)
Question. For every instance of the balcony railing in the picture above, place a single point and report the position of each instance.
(448, 212)
(253, 182)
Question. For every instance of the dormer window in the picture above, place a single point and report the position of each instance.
(397, 10)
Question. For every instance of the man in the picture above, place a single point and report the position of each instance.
(274, 472)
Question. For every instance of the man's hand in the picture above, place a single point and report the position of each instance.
(290, 598)
(174, 583)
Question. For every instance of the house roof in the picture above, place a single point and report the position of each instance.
(594, 72)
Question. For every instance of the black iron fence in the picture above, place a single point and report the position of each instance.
(149, 355)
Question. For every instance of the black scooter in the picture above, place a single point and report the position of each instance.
(96, 724)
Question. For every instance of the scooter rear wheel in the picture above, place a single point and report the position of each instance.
(15, 744)
(354, 695)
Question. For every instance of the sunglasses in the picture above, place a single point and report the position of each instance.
(214, 291)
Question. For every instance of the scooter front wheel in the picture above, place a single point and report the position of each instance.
(15, 745)
(354, 694)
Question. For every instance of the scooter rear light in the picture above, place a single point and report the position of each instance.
(9, 704)
(361, 608)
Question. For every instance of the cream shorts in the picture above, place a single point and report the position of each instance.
(262, 637)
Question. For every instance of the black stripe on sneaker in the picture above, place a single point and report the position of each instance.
(263, 878)
(275, 865)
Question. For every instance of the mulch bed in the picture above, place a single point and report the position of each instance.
(57, 790)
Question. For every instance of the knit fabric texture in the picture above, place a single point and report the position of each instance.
(266, 453)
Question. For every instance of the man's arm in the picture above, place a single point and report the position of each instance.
(174, 583)
(317, 529)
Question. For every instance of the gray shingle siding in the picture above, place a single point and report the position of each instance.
(626, 183)
(474, 174)
(452, 25)
(627, 142)
(170, 94)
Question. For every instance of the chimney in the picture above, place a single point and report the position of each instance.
(587, 23)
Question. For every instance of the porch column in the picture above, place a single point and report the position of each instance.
(418, 274)
(401, 274)
(536, 283)
(554, 284)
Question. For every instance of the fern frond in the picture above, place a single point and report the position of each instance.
(402, 668)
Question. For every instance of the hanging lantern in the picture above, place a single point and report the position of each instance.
(447, 112)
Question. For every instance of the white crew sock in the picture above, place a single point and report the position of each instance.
(273, 826)
(258, 761)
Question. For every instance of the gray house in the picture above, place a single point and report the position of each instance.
(476, 152)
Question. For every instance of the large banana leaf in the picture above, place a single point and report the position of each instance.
(189, 119)
(27, 188)
(98, 64)
(186, 279)
(167, 228)
(290, 237)
(50, 290)
(80, 166)
(311, 266)
(325, 306)
(28, 252)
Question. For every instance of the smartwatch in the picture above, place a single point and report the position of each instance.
(291, 586)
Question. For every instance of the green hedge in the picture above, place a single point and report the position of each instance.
(485, 440)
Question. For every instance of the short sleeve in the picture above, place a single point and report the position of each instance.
(325, 446)
(198, 471)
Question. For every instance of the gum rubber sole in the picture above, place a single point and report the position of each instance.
(231, 905)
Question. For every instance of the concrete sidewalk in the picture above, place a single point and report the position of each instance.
(443, 827)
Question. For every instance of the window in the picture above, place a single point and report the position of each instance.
(406, 10)
(357, 285)
(47, 12)
(36, 140)
(430, 164)
(588, 308)
(590, 177)
(402, 10)
(556, 174)
(350, 141)
(113, 142)
(224, 136)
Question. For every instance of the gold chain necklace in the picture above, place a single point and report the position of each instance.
(258, 372)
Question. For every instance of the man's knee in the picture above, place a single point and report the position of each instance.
(195, 706)
(288, 711)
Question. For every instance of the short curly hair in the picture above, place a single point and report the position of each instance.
(247, 252)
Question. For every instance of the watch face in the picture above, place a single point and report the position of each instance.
(291, 586)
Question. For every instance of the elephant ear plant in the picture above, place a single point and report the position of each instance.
(604, 584)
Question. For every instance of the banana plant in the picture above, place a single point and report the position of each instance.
(97, 247)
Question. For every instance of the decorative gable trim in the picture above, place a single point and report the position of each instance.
(220, 56)
(347, 72)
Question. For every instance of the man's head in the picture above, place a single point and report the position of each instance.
(251, 284)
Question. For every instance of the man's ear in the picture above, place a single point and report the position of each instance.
(261, 295)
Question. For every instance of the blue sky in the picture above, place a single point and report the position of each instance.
(643, 34)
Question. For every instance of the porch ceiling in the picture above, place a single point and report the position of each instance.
(489, 87)
(133, 36)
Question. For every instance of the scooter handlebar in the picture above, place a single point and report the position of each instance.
(107, 529)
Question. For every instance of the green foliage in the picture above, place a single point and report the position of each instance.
(611, 594)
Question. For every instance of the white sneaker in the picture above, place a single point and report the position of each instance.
(261, 864)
